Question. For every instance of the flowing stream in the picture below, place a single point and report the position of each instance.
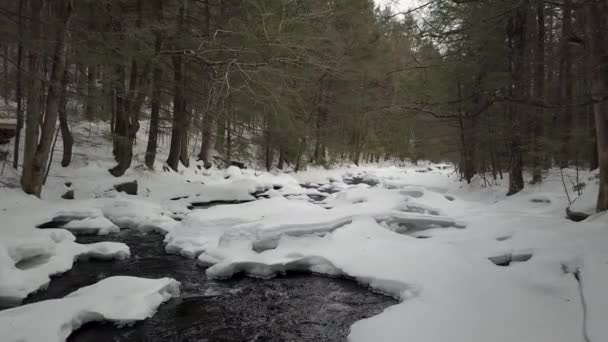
(295, 307)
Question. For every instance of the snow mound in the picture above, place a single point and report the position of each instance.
(269, 269)
(122, 300)
(92, 225)
(139, 214)
(203, 229)
(107, 215)
(27, 262)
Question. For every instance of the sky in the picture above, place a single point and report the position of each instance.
(401, 5)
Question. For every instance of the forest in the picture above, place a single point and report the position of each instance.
(496, 87)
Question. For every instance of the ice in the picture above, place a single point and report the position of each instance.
(122, 300)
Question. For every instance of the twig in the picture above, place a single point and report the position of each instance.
(48, 168)
(565, 187)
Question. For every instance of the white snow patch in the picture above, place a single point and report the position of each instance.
(122, 300)
(55, 251)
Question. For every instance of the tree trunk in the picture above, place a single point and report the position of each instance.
(595, 28)
(281, 159)
(539, 82)
(317, 155)
(33, 108)
(207, 119)
(220, 133)
(178, 125)
(66, 135)
(154, 112)
(228, 157)
(127, 124)
(155, 101)
(176, 135)
(19, 89)
(7, 84)
(184, 155)
(300, 154)
(90, 107)
(206, 122)
(517, 40)
(121, 124)
(33, 179)
(566, 85)
(268, 151)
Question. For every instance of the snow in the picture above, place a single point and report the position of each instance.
(27, 261)
(122, 300)
(446, 280)
(8, 121)
(419, 235)
(94, 225)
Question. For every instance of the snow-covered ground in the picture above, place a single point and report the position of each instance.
(467, 263)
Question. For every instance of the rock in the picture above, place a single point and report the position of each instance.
(238, 164)
(540, 200)
(130, 188)
(507, 259)
(69, 195)
(576, 216)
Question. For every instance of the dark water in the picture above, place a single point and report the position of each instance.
(296, 307)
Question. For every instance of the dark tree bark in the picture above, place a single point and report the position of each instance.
(178, 101)
(207, 123)
(517, 40)
(179, 115)
(207, 119)
(7, 84)
(317, 153)
(66, 134)
(33, 177)
(220, 133)
(281, 159)
(228, 156)
(19, 88)
(34, 93)
(539, 82)
(300, 154)
(184, 155)
(566, 85)
(268, 141)
(128, 109)
(91, 98)
(597, 43)
(155, 100)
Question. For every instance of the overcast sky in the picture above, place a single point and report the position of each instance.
(401, 5)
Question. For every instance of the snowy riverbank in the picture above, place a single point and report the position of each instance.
(418, 235)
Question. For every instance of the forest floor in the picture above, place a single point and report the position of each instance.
(465, 262)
